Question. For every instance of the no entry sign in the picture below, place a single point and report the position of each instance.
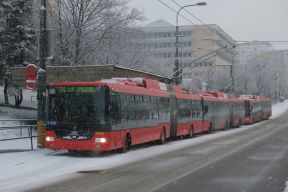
(31, 76)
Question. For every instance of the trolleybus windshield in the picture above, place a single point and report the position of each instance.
(76, 105)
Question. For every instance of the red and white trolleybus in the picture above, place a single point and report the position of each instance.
(122, 112)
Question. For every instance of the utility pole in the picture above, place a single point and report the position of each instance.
(232, 71)
(177, 71)
(41, 75)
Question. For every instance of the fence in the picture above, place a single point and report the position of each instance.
(16, 128)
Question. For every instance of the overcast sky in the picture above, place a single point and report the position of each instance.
(241, 19)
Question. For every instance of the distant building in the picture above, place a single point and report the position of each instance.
(194, 42)
(244, 51)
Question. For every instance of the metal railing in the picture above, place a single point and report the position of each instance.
(18, 124)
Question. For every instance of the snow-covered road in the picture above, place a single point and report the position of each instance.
(20, 171)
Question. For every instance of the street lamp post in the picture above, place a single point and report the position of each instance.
(41, 75)
(177, 77)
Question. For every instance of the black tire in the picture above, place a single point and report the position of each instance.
(210, 129)
(240, 123)
(227, 125)
(162, 137)
(127, 144)
(74, 152)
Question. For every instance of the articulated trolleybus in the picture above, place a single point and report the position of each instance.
(122, 112)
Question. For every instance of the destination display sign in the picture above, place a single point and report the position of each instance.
(64, 90)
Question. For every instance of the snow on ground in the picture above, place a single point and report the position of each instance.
(21, 171)
(17, 113)
(279, 108)
(23, 144)
(29, 98)
(29, 101)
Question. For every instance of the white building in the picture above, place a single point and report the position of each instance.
(195, 41)
(244, 51)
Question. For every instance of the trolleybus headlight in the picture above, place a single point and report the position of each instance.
(49, 139)
(101, 140)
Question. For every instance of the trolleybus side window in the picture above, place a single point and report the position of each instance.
(114, 108)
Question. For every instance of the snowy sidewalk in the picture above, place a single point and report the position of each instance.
(29, 99)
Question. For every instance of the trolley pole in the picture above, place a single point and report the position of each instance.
(41, 75)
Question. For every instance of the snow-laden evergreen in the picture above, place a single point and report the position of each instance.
(17, 36)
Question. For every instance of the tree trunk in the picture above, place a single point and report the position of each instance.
(6, 90)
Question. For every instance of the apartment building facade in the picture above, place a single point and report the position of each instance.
(247, 50)
(195, 41)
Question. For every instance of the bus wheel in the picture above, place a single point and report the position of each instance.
(240, 123)
(227, 126)
(127, 144)
(73, 152)
(163, 137)
(210, 128)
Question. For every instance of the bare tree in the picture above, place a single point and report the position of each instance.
(85, 28)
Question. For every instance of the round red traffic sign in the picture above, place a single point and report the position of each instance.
(31, 76)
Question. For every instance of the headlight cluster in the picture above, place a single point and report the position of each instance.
(49, 139)
(101, 140)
